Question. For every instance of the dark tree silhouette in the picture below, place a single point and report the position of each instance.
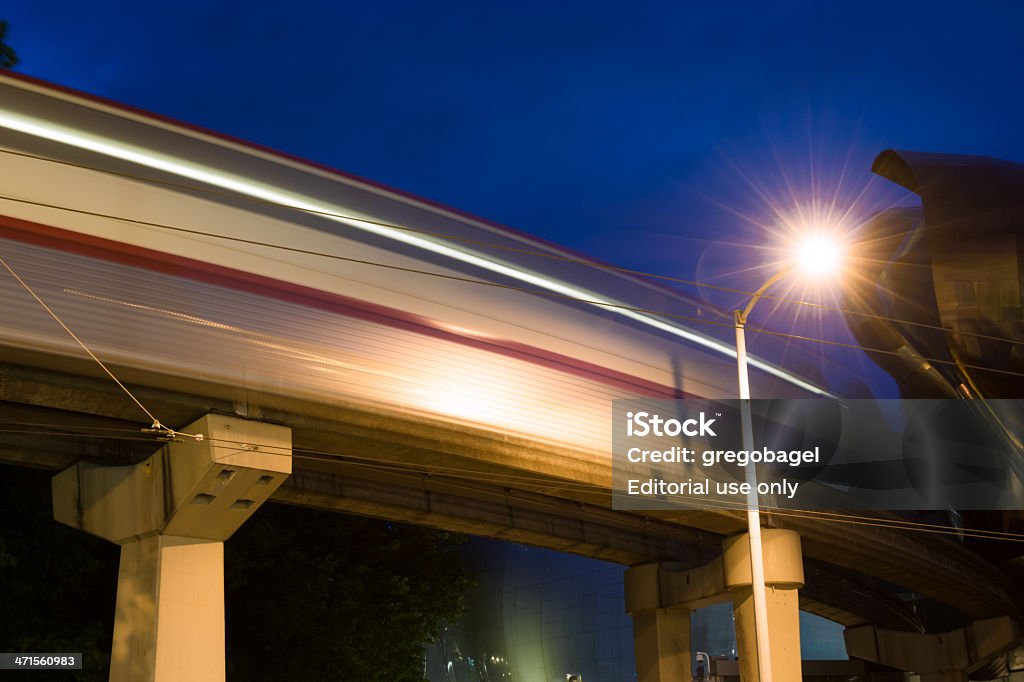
(8, 57)
(311, 595)
(57, 584)
(315, 595)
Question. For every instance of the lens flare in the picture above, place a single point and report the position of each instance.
(820, 256)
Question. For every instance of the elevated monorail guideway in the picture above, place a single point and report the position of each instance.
(116, 192)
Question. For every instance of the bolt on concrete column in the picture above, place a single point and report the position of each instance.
(661, 636)
(784, 575)
(171, 515)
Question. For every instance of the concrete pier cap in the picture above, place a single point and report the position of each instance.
(783, 560)
(660, 597)
(200, 489)
(171, 515)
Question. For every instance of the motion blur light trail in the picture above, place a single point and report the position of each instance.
(246, 187)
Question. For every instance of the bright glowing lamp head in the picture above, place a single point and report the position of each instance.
(819, 256)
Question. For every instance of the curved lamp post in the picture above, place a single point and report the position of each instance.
(818, 257)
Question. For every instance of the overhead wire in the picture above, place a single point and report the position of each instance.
(511, 287)
(471, 474)
(554, 504)
(213, 191)
(543, 482)
(156, 425)
(698, 503)
(829, 516)
(553, 486)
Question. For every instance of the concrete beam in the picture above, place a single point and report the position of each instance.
(495, 512)
(934, 566)
(936, 657)
(47, 383)
(451, 504)
(671, 584)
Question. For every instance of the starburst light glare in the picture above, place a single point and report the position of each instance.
(820, 256)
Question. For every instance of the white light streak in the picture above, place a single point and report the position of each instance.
(244, 186)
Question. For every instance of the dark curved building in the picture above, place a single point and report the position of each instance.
(542, 616)
(953, 267)
(939, 295)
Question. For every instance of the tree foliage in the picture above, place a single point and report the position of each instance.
(319, 596)
(8, 57)
(57, 585)
(310, 595)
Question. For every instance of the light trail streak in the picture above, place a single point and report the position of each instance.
(244, 186)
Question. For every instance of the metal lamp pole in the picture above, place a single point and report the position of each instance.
(764, 658)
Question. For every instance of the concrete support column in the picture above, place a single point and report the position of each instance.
(169, 620)
(784, 628)
(171, 515)
(661, 634)
(661, 639)
(784, 575)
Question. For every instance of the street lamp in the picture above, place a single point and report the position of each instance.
(817, 256)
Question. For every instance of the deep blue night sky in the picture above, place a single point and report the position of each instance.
(640, 133)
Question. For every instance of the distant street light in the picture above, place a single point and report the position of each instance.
(818, 256)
